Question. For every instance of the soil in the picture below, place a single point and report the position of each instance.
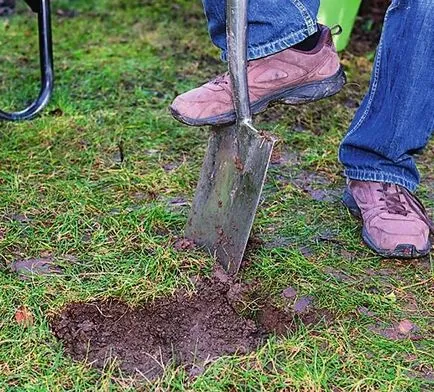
(403, 329)
(39, 266)
(189, 330)
(184, 244)
(368, 26)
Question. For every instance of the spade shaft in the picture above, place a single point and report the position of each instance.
(237, 48)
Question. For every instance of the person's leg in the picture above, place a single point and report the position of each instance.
(395, 120)
(274, 25)
(287, 62)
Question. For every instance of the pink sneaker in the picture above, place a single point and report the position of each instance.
(291, 76)
(395, 223)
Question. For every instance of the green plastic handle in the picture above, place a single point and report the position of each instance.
(340, 12)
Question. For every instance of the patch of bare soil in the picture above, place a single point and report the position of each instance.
(38, 266)
(183, 329)
(403, 329)
(190, 330)
(368, 26)
(318, 186)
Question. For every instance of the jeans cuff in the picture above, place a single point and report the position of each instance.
(368, 175)
(259, 51)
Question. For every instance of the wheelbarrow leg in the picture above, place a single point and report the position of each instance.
(42, 7)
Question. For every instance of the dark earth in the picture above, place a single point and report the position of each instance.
(185, 329)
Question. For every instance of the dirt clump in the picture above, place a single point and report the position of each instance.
(185, 329)
(274, 320)
(184, 244)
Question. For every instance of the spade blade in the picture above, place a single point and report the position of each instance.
(228, 193)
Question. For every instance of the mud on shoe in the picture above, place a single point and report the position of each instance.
(395, 223)
(291, 76)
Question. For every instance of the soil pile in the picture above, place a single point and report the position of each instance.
(188, 330)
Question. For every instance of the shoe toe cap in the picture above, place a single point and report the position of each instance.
(400, 236)
(197, 104)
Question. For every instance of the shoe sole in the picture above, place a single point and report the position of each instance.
(309, 92)
(402, 251)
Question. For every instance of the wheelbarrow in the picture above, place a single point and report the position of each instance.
(42, 8)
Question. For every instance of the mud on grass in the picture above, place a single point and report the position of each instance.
(189, 330)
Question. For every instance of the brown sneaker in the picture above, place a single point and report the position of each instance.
(291, 76)
(395, 223)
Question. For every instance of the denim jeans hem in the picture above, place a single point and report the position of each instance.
(260, 51)
(367, 175)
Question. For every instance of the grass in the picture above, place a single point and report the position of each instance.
(111, 223)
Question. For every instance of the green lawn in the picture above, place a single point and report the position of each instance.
(65, 193)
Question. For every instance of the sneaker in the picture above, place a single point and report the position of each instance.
(291, 76)
(395, 223)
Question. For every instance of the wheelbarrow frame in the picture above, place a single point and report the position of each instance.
(42, 8)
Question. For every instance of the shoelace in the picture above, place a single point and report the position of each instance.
(396, 205)
(221, 79)
(224, 78)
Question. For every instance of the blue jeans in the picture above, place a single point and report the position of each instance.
(396, 118)
(274, 25)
